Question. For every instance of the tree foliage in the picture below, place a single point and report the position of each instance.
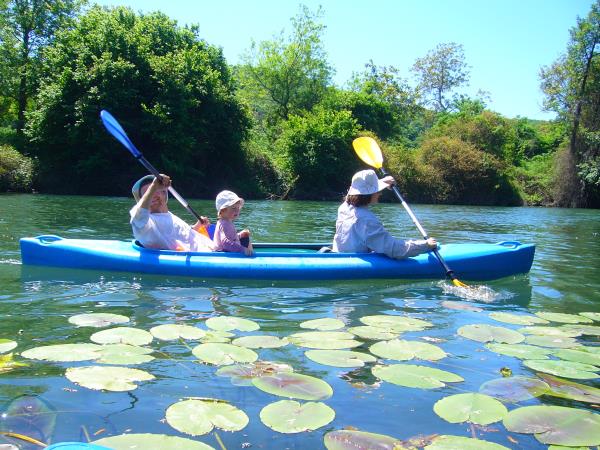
(16, 170)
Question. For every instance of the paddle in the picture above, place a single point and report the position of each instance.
(367, 149)
(118, 132)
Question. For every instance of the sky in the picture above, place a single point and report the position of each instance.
(505, 42)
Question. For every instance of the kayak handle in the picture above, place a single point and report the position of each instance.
(510, 244)
(48, 238)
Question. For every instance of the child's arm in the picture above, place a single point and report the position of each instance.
(228, 238)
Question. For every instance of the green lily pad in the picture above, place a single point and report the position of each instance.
(556, 425)
(488, 333)
(242, 374)
(514, 389)
(228, 323)
(63, 352)
(562, 447)
(6, 345)
(405, 350)
(447, 442)
(339, 358)
(359, 440)
(196, 417)
(517, 319)
(415, 376)
(261, 342)
(223, 354)
(588, 330)
(580, 355)
(97, 320)
(570, 389)
(123, 354)
(373, 333)
(323, 324)
(550, 331)
(552, 341)
(563, 318)
(172, 332)
(289, 416)
(567, 369)
(471, 407)
(325, 340)
(595, 316)
(213, 336)
(396, 323)
(522, 351)
(122, 335)
(148, 441)
(110, 378)
(294, 385)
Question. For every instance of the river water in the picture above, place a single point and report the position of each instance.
(35, 304)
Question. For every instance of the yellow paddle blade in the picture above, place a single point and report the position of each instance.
(459, 283)
(367, 149)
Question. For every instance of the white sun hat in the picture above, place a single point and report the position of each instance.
(226, 199)
(366, 182)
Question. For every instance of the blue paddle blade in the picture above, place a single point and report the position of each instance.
(118, 132)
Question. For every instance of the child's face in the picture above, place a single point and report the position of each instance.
(231, 212)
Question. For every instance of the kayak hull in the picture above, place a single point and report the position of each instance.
(278, 261)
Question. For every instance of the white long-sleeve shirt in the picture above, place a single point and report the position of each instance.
(358, 230)
(166, 231)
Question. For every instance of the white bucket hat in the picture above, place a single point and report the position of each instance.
(366, 182)
(227, 198)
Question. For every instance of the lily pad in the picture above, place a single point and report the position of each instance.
(514, 389)
(294, 385)
(172, 332)
(563, 318)
(517, 319)
(556, 425)
(97, 320)
(471, 407)
(63, 352)
(339, 358)
(415, 376)
(550, 331)
(396, 323)
(122, 335)
(289, 416)
(261, 342)
(552, 341)
(447, 442)
(213, 336)
(570, 389)
(567, 369)
(228, 323)
(6, 345)
(123, 354)
(148, 441)
(405, 350)
(242, 374)
(196, 417)
(223, 354)
(326, 324)
(580, 355)
(373, 333)
(522, 351)
(488, 333)
(581, 328)
(325, 340)
(595, 316)
(358, 440)
(110, 378)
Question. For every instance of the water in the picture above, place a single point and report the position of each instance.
(35, 304)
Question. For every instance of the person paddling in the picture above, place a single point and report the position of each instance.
(359, 230)
(154, 226)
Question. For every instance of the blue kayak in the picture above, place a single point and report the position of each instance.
(278, 261)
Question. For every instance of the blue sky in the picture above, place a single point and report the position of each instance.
(505, 41)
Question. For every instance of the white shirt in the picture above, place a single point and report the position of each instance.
(358, 230)
(166, 231)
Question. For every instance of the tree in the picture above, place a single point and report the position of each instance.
(441, 71)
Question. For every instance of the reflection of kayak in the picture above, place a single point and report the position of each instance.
(278, 261)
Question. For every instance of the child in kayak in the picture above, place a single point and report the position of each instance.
(226, 238)
(358, 230)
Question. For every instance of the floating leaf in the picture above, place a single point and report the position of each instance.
(124, 354)
(172, 332)
(110, 378)
(580, 355)
(567, 369)
(323, 324)
(570, 389)
(216, 336)
(122, 335)
(550, 331)
(289, 416)
(562, 447)
(223, 354)
(406, 350)
(148, 441)
(471, 407)
(415, 376)
(514, 389)
(522, 351)
(487, 333)
(595, 316)
(359, 440)
(196, 417)
(556, 425)
(261, 342)
(517, 319)
(339, 358)
(63, 352)
(8, 364)
(563, 318)
(589, 330)
(242, 374)
(326, 340)
(396, 323)
(552, 341)
(373, 333)
(6, 345)
(294, 385)
(447, 442)
(228, 323)
(97, 320)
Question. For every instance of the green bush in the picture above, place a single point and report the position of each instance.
(16, 170)
(535, 179)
